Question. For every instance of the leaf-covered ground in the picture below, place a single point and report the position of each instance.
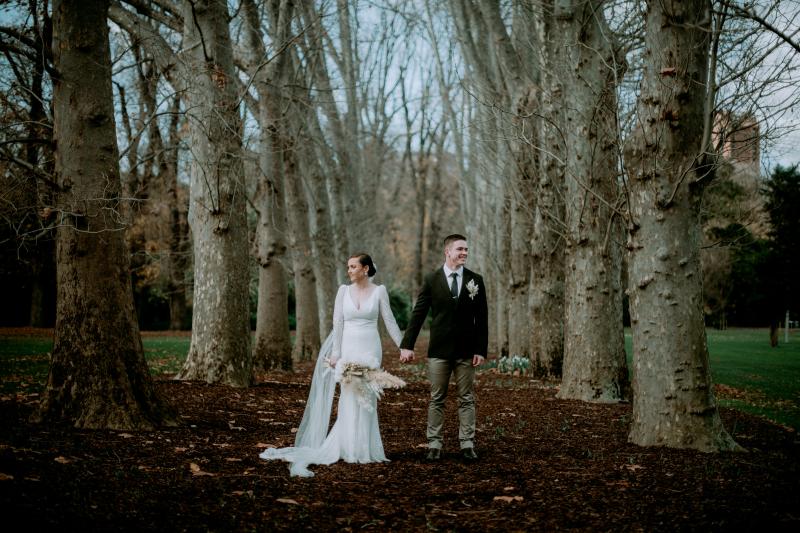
(546, 464)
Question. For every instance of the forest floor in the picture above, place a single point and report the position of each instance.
(545, 464)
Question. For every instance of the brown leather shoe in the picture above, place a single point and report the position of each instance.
(434, 454)
(469, 454)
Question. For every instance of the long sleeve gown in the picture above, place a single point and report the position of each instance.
(355, 436)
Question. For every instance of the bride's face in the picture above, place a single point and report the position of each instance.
(355, 270)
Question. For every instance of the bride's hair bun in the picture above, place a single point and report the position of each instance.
(366, 261)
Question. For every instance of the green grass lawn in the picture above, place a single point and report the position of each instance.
(754, 377)
(24, 360)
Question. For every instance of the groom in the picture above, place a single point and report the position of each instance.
(456, 298)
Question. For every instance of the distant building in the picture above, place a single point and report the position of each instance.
(737, 138)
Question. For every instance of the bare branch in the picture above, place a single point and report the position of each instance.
(752, 15)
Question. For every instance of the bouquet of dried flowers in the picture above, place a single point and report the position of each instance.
(369, 382)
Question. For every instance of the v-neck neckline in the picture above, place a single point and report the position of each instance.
(352, 300)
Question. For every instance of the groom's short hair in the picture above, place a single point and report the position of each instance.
(452, 238)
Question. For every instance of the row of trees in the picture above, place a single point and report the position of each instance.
(561, 135)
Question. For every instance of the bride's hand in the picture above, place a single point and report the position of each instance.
(406, 356)
(332, 361)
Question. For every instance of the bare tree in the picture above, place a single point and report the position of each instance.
(341, 168)
(272, 344)
(307, 337)
(26, 152)
(519, 72)
(547, 247)
(595, 367)
(470, 124)
(179, 260)
(499, 77)
(220, 349)
(673, 398)
(203, 74)
(158, 231)
(98, 375)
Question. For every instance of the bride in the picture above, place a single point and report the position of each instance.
(355, 436)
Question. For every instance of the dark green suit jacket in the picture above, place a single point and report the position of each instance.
(460, 326)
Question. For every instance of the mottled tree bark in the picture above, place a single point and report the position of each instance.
(547, 273)
(673, 398)
(98, 376)
(220, 348)
(595, 368)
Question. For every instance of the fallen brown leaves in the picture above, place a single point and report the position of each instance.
(195, 469)
(546, 464)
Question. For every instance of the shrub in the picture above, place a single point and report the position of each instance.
(400, 302)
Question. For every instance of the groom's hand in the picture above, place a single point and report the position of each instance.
(477, 360)
(406, 356)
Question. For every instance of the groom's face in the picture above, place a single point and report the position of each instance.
(456, 254)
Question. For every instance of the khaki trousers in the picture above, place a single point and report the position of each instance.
(439, 371)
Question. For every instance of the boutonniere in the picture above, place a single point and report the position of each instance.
(472, 287)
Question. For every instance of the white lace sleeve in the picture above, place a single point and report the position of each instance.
(338, 323)
(388, 316)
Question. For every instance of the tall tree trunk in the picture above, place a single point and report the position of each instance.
(350, 72)
(521, 226)
(322, 237)
(502, 242)
(673, 398)
(179, 245)
(98, 375)
(307, 341)
(419, 173)
(547, 274)
(547, 277)
(307, 336)
(330, 266)
(323, 262)
(595, 368)
(437, 199)
(220, 349)
(273, 345)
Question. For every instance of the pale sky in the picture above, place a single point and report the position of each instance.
(785, 151)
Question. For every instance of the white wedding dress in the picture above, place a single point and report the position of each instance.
(355, 436)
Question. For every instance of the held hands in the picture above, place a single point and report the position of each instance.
(477, 360)
(406, 356)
